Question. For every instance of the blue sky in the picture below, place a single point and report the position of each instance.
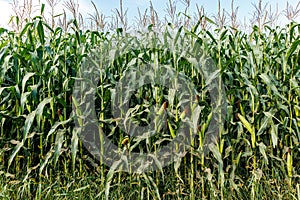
(211, 6)
(106, 6)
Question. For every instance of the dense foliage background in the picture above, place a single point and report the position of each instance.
(257, 155)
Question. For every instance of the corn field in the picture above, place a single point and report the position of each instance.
(256, 156)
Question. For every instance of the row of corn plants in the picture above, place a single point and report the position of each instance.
(257, 152)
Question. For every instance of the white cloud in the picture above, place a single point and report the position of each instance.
(6, 12)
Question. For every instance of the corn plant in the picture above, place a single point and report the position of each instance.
(255, 156)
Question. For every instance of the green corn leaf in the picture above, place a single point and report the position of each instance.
(40, 30)
(172, 132)
(292, 49)
(74, 146)
(46, 160)
(58, 144)
(109, 177)
(248, 126)
(55, 126)
(28, 123)
(262, 150)
(274, 134)
(14, 153)
(25, 79)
